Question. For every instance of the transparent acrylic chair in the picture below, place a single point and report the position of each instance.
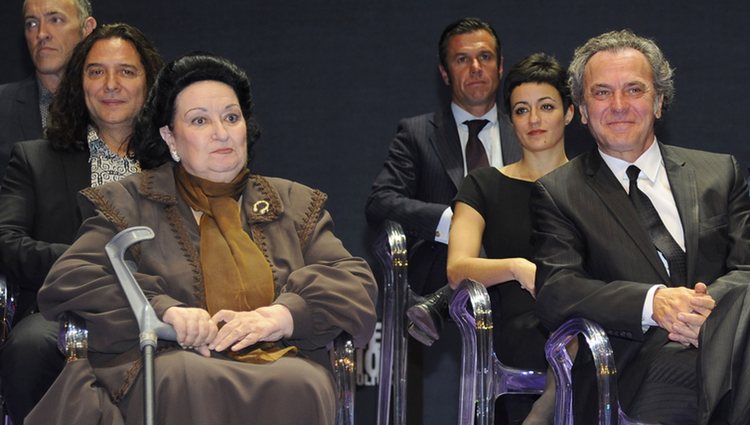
(610, 412)
(7, 307)
(483, 377)
(390, 248)
(7, 312)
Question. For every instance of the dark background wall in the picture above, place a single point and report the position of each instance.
(332, 78)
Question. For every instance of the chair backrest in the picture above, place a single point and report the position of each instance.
(483, 376)
(390, 248)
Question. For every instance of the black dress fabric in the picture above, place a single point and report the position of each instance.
(503, 202)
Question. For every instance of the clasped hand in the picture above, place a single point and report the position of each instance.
(197, 329)
(682, 311)
(524, 271)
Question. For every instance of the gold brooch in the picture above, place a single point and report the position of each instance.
(261, 207)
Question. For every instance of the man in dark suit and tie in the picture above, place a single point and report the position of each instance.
(52, 29)
(650, 241)
(426, 162)
(432, 153)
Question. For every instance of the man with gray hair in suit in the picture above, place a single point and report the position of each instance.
(652, 242)
(52, 29)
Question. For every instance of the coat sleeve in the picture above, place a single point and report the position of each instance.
(331, 292)
(396, 190)
(565, 288)
(25, 259)
(83, 282)
(734, 231)
(586, 266)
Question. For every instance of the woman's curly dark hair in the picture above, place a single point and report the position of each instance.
(146, 145)
(67, 125)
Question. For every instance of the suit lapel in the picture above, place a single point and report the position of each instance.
(684, 189)
(76, 170)
(447, 145)
(605, 185)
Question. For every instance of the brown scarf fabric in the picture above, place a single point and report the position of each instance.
(236, 275)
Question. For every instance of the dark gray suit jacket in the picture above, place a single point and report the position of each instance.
(39, 215)
(596, 260)
(421, 176)
(19, 116)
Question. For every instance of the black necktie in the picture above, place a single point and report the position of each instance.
(475, 155)
(660, 236)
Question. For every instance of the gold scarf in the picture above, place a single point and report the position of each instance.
(236, 275)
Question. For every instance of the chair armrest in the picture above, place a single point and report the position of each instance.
(73, 339)
(483, 376)
(7, 307)
(390, 248)
(475, 327)
(342, 360)
(606, 372)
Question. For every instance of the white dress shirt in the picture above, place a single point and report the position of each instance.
(654, 183)
(490, 138)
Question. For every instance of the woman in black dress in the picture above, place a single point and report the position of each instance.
(491, 211)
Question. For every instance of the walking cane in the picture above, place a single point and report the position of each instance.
(150, 326)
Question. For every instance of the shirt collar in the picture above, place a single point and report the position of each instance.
(97, 147)
(649, 162)
(461, 115)
(92, 135)
(45, 96)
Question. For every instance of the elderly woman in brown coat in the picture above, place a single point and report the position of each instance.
(246, 268)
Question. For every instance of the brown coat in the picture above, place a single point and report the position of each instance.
(325, 288)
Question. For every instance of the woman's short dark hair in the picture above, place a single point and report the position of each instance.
(68, 121)
(147, 146)
(537, 68)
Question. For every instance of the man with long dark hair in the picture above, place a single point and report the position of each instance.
(101, 92)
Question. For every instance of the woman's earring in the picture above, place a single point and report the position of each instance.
(175, 155)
